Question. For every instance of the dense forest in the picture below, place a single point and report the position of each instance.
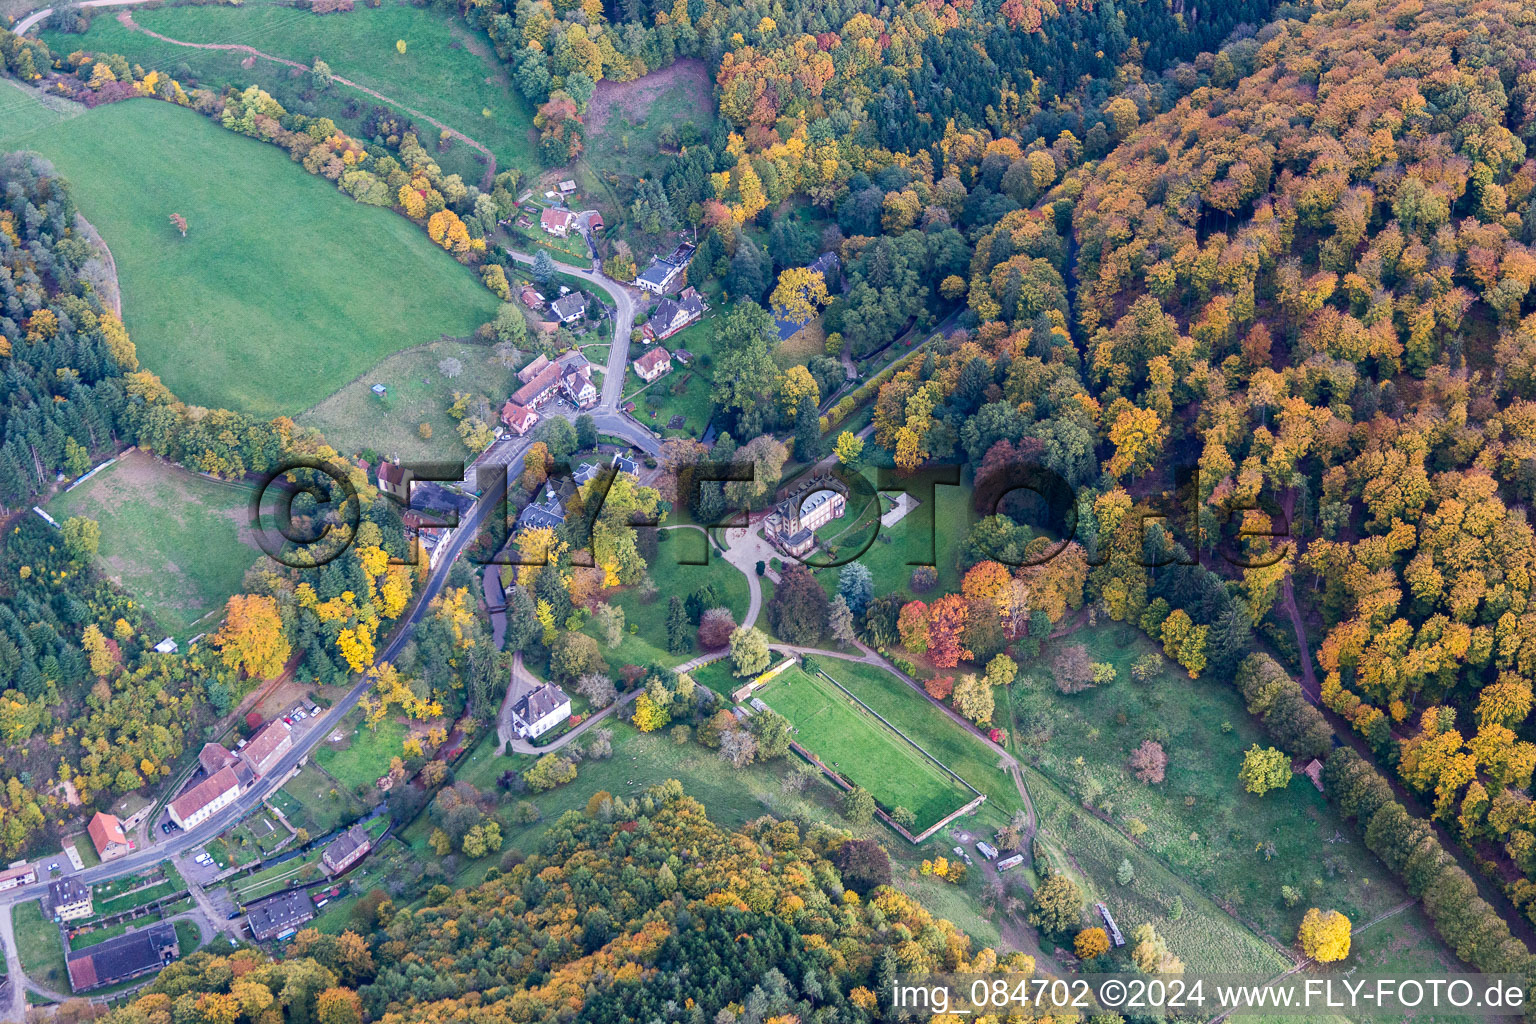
(635, 909)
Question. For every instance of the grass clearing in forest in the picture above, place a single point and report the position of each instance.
(179, 542)
(448, 72)
(862, 749)
(283, 289)
(1239, 849)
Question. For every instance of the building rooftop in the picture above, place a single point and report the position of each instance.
(122, 957)
(278, 914)
(341, 850)
(67, 891)
(268, 745)
(104, 830)
(205, 792)
(539, 702)
(570, 305)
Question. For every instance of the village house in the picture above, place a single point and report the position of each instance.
(394, 480)
(624, 464)
(123, 957)
(548, 512)
(671, 316)
(576, 382)
(106, 833)
(13, 878)
(657, 278)
(556, 221)
(572, 375)
(279, 916)
(349, 848)
(69, 899)
(517, 418)
(569, 308)
(655, 363)
(205, 799)
(792, 525)
(536, 707)
(531, 298)
(268, 746)
(584, 472)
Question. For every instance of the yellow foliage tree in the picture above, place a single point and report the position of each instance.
(800, 294)
(252, 639)
(1324, 936)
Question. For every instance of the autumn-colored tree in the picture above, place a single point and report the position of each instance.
(1324, 937)
(799, 295)
(252, 638)
(939, 687)
(973, 699)
(1148, 762)
(179, 223)
(946, 623)
(1091, 943)
(912, 626)
(1264, 770)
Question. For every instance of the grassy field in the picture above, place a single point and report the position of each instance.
(448, 71)
(624, 123)
(863, 749)
(283, 289)
(686, 390)
(178, 541)
(648, 643)
(355, 419)
(363, 754)
(1238, 848)
(39, 946)
(316, 803)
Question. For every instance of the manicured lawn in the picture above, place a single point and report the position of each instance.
(364, 755)
(914, 538)
(283, 290)
(96, 936)
(355, 419)
(87, 850)
(648, 643)
(178, 541)
(39, 946)
(862, 749)
(965, 755)
(447, 72)
(719, 676)
(1238, 848)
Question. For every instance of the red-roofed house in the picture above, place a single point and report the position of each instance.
(653, 364)
(518, 419)
(205, 799)
(556, 221)
(107, 833)
(268, 746)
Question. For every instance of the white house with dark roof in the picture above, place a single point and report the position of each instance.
(536, 707)
(659, 276)
(671, 316)
(793, 523)
(569, 308)
(547, 512)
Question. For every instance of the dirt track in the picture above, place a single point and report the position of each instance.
(126, 20)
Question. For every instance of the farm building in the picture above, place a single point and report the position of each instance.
(1009, 863)
(1109, 925)
(346, 850)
